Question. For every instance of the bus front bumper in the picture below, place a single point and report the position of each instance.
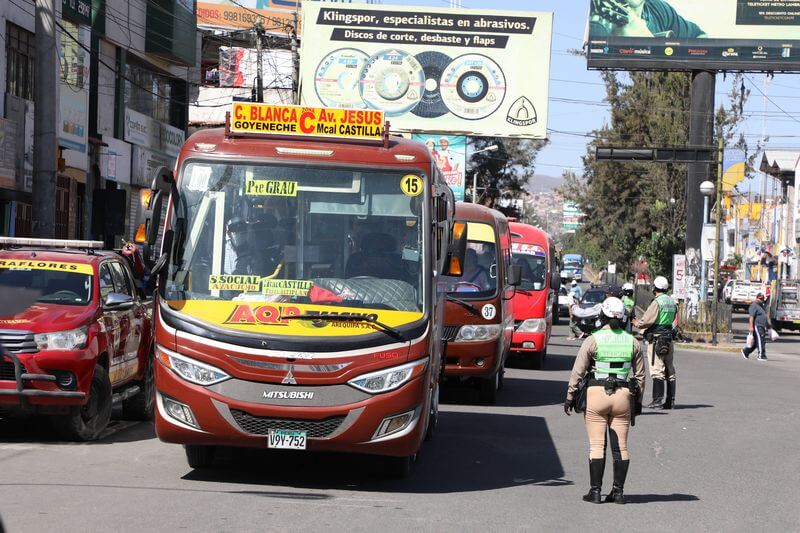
(336, 418)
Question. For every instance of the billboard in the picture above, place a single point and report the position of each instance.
(450, 154)
(690, 35)
(277, 16)
(464, 72)
(573, 217)
(238, 67)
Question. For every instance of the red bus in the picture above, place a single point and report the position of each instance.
(536, 299)
(296, 290)
(478, 315)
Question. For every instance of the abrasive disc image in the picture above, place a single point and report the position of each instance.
(473, 86)
(337, 76)
(432, 105)
(392, 81)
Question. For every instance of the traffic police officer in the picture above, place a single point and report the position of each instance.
(613, 361)
(656, 325)
(628, 301)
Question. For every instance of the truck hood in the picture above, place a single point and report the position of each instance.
(531, 304)
(42, 318)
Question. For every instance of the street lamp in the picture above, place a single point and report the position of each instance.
(492, 148)
(706, 189)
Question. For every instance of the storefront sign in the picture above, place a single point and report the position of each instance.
(267, 119)
(149, 133)
(78, 11)
(113, 160)
(144, 164)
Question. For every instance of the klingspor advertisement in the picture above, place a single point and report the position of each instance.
(462, 72)
(691, 35)
(450, 154)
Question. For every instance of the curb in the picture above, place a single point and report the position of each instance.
(696, 346)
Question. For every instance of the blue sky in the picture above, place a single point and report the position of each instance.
(570, 80)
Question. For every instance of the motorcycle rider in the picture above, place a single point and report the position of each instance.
(656, 326)
(613, 361)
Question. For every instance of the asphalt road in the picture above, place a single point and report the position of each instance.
(724, 460)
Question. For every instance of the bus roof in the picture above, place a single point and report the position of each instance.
(213, 143)
(477, 212)
(526, 233)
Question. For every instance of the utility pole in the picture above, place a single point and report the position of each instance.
(45, 149)
(701, 133)
(717, 231)
(295, 62)
(259, 64)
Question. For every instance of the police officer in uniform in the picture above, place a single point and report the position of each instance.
(656, 326)
(613, 361)
(628, 301)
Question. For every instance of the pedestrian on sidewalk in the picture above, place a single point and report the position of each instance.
(656, 325)
(611, 360)
(759, 326)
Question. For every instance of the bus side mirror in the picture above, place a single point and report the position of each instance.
(163, 183)
(515, 275)
(456, 251)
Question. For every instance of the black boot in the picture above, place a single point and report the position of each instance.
(620, 473)
(596, 469)
(669, 401)
(658, 394)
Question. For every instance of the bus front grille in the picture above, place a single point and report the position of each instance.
(315, 429)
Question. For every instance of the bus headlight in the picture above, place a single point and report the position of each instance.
(189, 369)
(484, 332)
(389, 378)
(533, 325)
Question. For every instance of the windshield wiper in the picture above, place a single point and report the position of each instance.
(466, 305)
(389, 330)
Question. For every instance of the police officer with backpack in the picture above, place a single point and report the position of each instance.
(656, 326)
(609, 375)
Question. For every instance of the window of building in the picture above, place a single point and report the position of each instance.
(152, 94)
(21, 54)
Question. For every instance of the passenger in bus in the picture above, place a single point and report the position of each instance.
(235, 243)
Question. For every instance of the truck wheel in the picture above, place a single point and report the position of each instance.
(87, 422)
(398, 467)
(488, 388)
(200, 456)
(141, 406)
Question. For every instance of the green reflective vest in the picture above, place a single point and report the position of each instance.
(628, 302)
(614, 353)
(666, 314)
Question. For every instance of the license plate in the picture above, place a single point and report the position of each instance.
(285, 439)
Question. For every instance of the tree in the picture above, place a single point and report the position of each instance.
(505, 172)
(638, 210)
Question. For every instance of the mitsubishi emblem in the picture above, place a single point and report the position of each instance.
(289, 378)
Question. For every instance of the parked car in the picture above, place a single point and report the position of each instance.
(85, 345)
(727, 291)
(744, 293)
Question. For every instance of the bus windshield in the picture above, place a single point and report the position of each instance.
(532, 260)
(479, 280)
(291, 234)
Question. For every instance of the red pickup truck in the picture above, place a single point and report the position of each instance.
(84, 346)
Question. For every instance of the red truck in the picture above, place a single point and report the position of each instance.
(85, 345)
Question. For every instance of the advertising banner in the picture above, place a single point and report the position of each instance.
(152, 134)
(679, 277)
(450, 154)
(268, 119)
(465, 72)
(74, 88)
(734, 164)
(573, 217)
(690, 35)
(8, 152)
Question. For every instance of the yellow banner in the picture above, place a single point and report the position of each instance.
(270, 318)
(270, 188)
(286, 287)
(77, 268)
(268, 119)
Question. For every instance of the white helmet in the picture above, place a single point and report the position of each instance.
(661, 283)
(613, 307)
(628, 287)
(574, 283)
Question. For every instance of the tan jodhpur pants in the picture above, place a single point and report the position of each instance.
(605, 411)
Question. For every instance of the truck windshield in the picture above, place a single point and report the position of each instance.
(296, 235)
(56, 287)
(479, 280)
